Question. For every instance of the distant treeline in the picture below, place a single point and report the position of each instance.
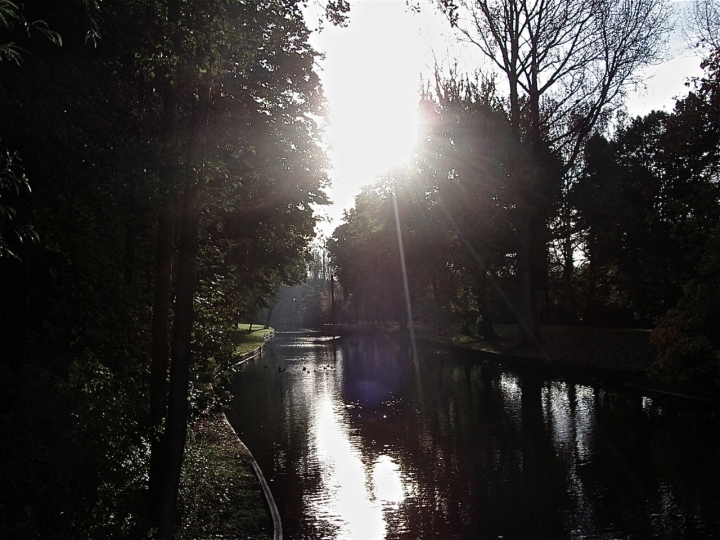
(625, 233)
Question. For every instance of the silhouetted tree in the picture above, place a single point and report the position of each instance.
(566, 65)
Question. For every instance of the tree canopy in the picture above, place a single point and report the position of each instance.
(631, 224)
(173, 151)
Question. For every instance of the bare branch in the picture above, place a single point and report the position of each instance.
(573, 59)
(704, 28)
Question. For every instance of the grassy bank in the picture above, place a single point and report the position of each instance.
(617, 349)
(614, 349)
(625, 350)
(246, 341)
(220, 496)
(609, 353)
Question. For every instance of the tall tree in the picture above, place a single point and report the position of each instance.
(467, 155)
(224, 52)
(566, 65)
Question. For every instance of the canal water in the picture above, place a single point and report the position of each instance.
(358, 441)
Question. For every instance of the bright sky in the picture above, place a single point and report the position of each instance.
(371, 75)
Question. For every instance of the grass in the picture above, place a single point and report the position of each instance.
(220, 496)
(246, 342)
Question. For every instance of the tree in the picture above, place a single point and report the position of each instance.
(566, 65)
(210, 103)
(214, 57)
(647, 200)
(705, 24)
(686, 340)
(465, 159)
(364, 251)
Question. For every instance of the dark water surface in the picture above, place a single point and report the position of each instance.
(357, 444)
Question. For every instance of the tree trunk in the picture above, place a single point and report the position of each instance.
(437, 300)
(176, 425)
(538, 267)
(529, 330)
(253, 312)
(481, 296)
(568, 271)
(465, 330)
(532, 229)
(269, 316)
(162, 294)
(130, 233)
(160, 350)
(332, 299)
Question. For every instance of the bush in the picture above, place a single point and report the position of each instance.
(686, 341)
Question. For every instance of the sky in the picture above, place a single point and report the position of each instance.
(371, 75)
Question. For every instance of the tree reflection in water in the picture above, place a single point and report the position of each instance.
(351, 452)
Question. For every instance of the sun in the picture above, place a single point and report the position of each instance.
(371, 76)
(373, 128)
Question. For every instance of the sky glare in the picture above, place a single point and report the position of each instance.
(372, 73)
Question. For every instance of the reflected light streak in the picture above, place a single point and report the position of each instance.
(572, 427)
(561, 422)
(387, 481)
(408, 305)
(512, 396)
(351, 499)
(584, 421)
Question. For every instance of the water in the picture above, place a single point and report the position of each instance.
(356, 445)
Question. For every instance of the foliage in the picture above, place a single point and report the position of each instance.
(10, 14)
(87, 120)
(12, 181)
(220, 494)
(469, 160)
(12, 176)
(647, 201)
(364, 252)
(686, 340)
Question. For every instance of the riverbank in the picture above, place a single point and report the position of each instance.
(614, 356)
(613, 349)
(621, 350)
(611, 356)
(220, 494)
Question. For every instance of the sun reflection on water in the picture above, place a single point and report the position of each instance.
(353, 496)
(352, 454)
(387, 482)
